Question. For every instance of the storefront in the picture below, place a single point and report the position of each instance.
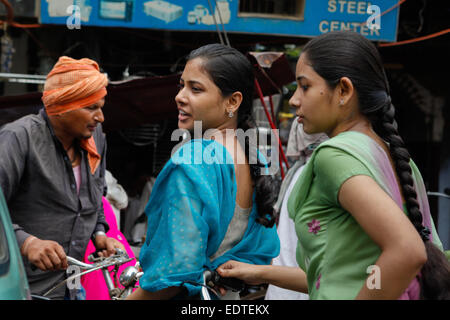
(299, 18)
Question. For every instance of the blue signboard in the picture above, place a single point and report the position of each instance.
(308, 18)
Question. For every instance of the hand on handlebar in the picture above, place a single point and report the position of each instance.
(46, 255)
(106, 246)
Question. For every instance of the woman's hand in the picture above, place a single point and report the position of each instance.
(249, 273)
(290, 278)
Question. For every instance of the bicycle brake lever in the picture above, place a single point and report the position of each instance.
(94, 257)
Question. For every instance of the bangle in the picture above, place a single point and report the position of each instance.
(98, 233)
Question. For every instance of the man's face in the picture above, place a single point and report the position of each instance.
(81, 123)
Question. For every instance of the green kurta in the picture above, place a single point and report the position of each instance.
(333, 249)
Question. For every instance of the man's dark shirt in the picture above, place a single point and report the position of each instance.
(38, 182)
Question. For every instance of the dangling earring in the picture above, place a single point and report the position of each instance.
(341, 102)
(230, 114)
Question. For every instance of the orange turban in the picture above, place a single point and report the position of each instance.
(74, 84)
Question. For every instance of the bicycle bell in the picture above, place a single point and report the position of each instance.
(128, 276)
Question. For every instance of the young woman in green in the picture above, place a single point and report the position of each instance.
(360, 207)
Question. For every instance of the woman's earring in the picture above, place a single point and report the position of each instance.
(341, 102)
(230, 114)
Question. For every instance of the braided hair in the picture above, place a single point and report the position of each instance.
(347, 54)
(231, 71)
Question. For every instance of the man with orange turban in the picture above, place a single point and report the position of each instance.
(52, 173)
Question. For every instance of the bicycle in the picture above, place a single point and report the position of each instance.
(128, 278)
(237, 289)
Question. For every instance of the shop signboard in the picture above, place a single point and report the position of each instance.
(302, 18)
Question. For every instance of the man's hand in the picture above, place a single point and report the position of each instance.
(107, 245)
(47, 255)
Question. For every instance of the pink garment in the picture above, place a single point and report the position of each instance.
(413, 291)
(77, 174)
(94, 282)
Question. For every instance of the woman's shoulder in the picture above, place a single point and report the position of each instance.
(330, 154)
(334, 160)
(346, 138)
(344, 146)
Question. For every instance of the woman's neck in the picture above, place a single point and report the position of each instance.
(360, 124)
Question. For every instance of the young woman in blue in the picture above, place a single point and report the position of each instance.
(208, 204)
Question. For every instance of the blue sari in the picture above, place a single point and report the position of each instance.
(191, 205)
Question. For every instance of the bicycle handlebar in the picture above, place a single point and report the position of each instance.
(102, 263)
(119, 257)
(75, 262)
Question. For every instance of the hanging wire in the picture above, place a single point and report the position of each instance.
(215, 22)
(434, 35)
(421, 19)
(10, 17)
(391, 44)
(223, 26)
(398, 4)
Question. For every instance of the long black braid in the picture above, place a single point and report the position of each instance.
(386, 127)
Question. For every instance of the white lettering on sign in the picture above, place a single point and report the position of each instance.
(369, 28)
(362, 28)
(349, 7)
